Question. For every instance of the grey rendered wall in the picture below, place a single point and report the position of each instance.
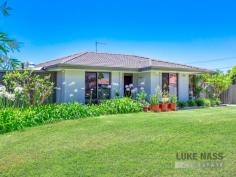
(73, 87)
(143, 80)
(156, 81)
(60, 89)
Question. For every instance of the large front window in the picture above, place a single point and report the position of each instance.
(97, 86)
(170, 83)
(192, 87)
(103, 85)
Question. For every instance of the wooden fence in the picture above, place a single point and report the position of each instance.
(229, 96)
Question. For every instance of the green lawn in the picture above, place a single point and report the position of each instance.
(141, 144)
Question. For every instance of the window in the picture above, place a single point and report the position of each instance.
(97, 86)
(90, 86)
(192, 87)
(173, 84)
(170, 83)
(165, 82)
(104, 86)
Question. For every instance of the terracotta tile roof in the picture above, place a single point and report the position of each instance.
(115, 61)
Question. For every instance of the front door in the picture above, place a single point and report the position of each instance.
(128, 79)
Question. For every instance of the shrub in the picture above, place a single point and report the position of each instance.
(15, 118)
(141, 97)
(218, 101)
(199, 102)
(181, 104)
(191, 103)
(215, 102)
(26, 88)
(207, 102)
(124, 105)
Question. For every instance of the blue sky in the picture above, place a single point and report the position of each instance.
(190, 32)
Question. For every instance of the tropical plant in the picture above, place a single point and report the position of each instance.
(141, 96)
(4, 9)
(7, 45)
(154, 100)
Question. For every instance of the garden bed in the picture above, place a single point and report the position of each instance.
(16, 119)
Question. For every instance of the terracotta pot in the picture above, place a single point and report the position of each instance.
(145, 108)
(155, 108)
(164, 107)
(172, 106)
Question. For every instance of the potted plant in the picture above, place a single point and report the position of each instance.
(145, 106)
(165, 100)
(173, 101)
(154, 103)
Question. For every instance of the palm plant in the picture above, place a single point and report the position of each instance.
(4, 9)
(7, 45)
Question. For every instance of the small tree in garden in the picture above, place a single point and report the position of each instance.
(232, 73)
(217, 83)
(35, 88)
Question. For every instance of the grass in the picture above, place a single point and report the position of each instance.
(141, 144)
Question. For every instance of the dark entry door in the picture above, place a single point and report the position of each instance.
(128, 79)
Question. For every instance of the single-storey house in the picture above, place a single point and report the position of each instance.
(101, 76)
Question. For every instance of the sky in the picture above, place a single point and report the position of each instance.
(196, 32)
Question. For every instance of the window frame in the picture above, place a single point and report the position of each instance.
(96, 100)
(168, 85)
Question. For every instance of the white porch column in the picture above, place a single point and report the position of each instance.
(183, 87)
(117, 83)
(155, 81)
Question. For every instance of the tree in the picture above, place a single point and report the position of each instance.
(4, 9)
(217, 83)
(232, 73)
(36, 88)
(7, 45)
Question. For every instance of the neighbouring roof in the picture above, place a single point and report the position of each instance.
(115, 61)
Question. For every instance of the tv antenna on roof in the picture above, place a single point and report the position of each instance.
(98, 43)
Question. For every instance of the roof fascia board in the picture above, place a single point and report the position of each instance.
(167, 69)
(60, 67)
(84, 67)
